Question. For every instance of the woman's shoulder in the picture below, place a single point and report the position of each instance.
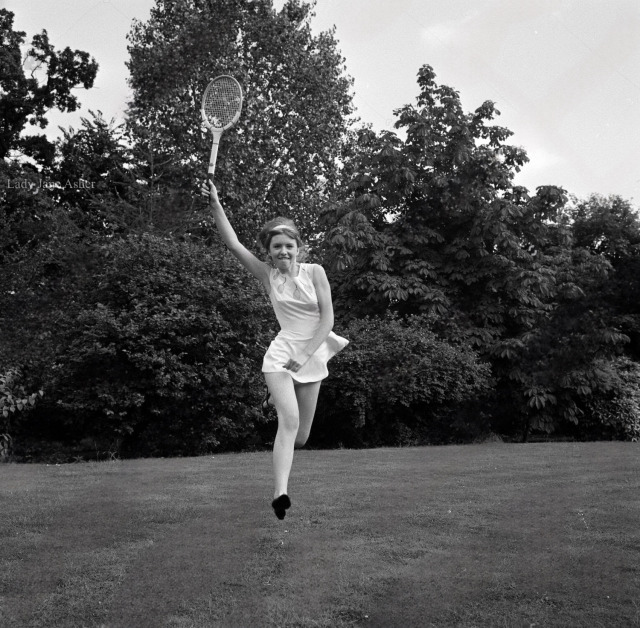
(315, 272)
(310, 267)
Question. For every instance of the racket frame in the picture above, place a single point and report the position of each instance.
(217, 130)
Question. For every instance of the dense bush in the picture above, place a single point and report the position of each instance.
(398, 384)
(614, 411)
(165, 353)
(15, 402)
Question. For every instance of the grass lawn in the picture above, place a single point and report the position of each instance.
(481, 535)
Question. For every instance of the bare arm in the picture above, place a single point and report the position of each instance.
(255, 266)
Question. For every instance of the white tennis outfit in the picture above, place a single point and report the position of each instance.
(296, 306)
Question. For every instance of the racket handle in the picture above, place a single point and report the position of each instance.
(214, 155)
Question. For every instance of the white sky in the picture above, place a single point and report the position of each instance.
(563, 73)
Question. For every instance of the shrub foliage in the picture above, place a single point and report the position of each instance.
(472, 306)
(397, 383)
(163, 358)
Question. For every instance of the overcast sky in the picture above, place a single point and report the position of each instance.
(565, 74)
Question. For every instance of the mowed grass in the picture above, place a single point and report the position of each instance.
(482, 535)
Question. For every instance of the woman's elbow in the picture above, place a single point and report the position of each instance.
(327, 321)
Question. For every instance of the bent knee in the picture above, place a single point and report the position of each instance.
(288, 421)
(301, 438)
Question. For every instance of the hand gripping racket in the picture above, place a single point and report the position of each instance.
(221, 106)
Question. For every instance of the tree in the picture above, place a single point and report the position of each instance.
(27, 99)
(101, 174)
(581, 358)
(434, 224)
(610, 227)
(607, 226)
(30, 218)
(283, 155)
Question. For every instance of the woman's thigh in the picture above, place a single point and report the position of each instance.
(307, 396)
(282, 391)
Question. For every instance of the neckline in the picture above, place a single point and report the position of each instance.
(285, 275)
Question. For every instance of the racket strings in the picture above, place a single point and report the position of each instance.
(222, 102)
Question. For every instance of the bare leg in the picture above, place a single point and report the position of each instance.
(284, 397)
(307, 395)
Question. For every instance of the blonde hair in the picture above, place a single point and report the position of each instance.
(281, 226)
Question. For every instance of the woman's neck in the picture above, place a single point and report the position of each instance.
(292, 271)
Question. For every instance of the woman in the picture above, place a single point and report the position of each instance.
(296, 361)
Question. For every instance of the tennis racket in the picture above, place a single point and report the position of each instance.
(221, 106)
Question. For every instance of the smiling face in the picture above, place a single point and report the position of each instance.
(283, 250)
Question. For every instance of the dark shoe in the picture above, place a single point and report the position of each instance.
(280, 506)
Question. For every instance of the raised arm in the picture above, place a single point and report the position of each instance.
(256, 267)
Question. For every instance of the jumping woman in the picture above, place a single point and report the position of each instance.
(296, 361)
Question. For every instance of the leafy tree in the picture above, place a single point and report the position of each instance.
(434, 224)
(114, 184)
(103, 175)
(283, 155)
(572, 361)
(27, 98)
(96, 155)
(31, 221)
(610, 228)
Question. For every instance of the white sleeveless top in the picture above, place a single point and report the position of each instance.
(295, 304)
